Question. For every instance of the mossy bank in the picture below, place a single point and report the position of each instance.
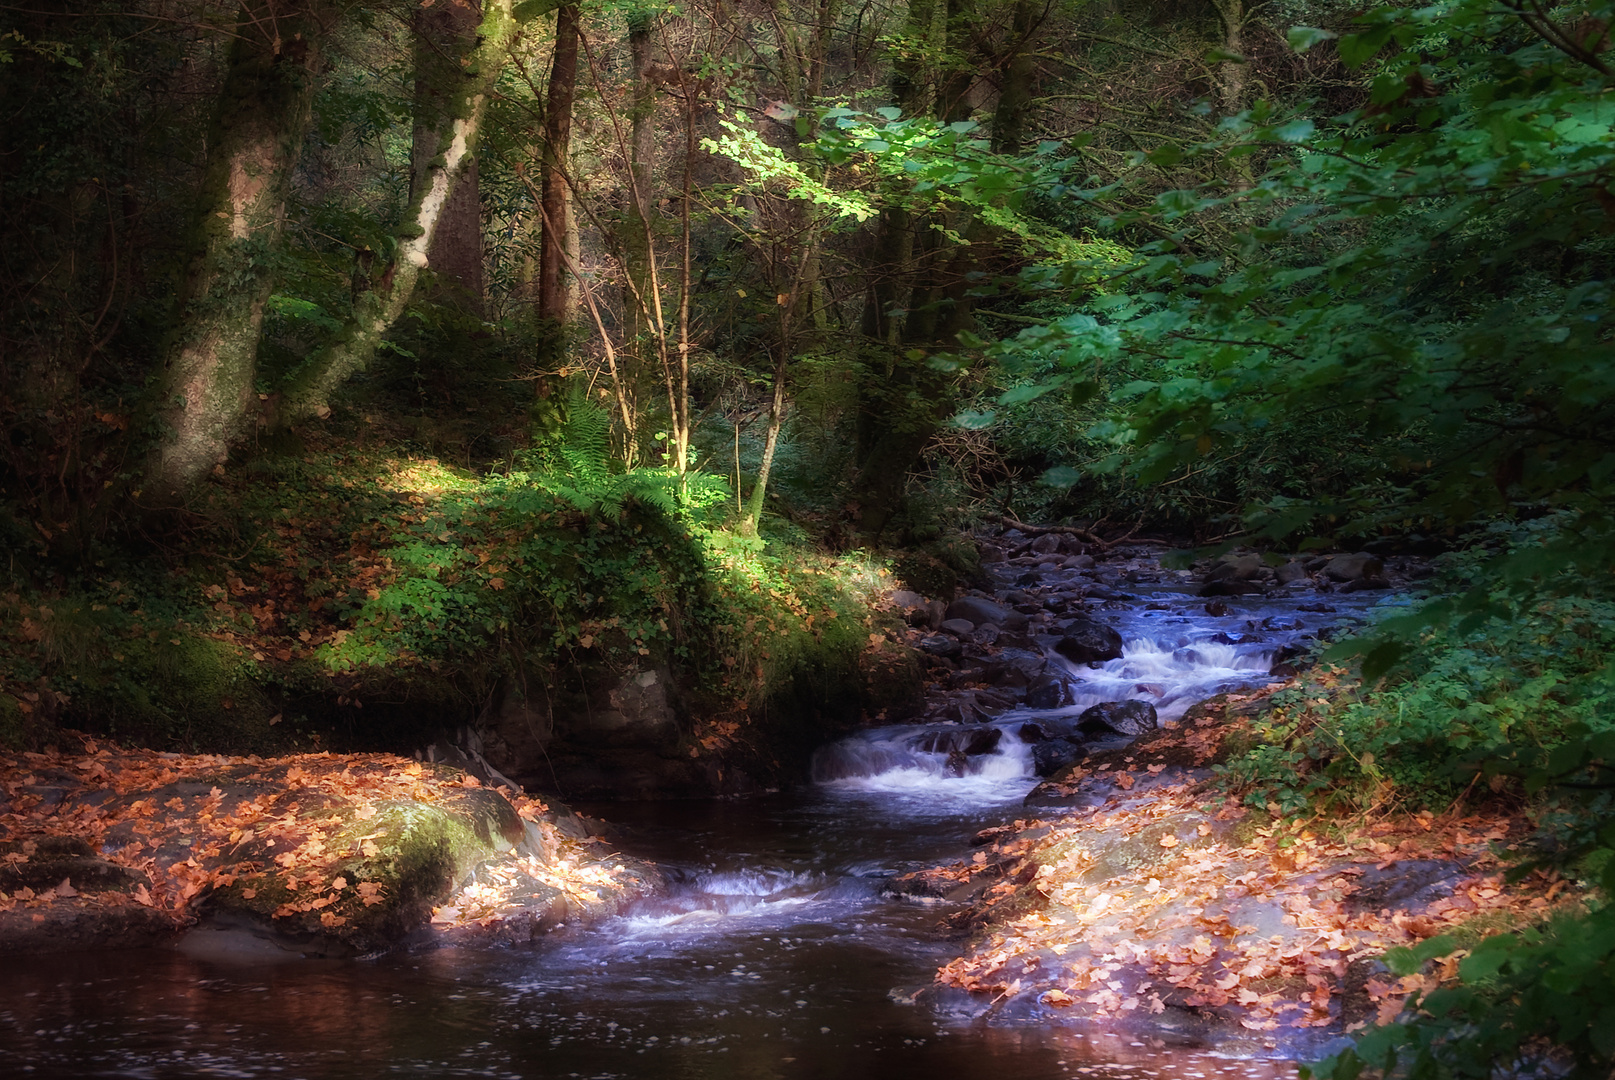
(617, 641)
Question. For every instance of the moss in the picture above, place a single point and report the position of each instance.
(13, 725)
(420, 853)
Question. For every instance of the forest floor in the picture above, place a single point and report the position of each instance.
(1157, 901)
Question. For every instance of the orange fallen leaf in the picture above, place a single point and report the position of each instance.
(1169, 841)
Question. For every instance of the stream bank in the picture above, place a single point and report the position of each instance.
(1136, 894)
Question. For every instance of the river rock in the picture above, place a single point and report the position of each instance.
(1118, 717)
(1048, 692)
(1052, 755)
(1046, 544)
(1087, 641)
(1014, 667)
(1409, 884)
(978, 610)
(906, 599)
(940, 645)
(1232, 566)
(1354, 567)
(958, 627)
(1290, 572)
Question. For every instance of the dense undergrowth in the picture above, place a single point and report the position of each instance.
(349, 597)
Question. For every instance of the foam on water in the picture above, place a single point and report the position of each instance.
(1175, 655)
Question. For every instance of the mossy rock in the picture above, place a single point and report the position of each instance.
(367, 873)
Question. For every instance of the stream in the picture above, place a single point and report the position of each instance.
(779, 950)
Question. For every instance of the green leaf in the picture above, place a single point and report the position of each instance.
(1358, 49)
(1302, 38)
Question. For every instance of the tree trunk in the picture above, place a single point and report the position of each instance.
(1015, 92)
(444, 34)
(776, 416)
(635, 237)
(554, 302)
(308, 393)
(204, 386)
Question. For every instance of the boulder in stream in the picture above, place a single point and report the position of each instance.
(1048, 692)
(978, 610)
(1119, 718)
(1052, 755)
(1354, 567)
(1087, 641)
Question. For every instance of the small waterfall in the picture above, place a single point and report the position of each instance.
(1169, 672)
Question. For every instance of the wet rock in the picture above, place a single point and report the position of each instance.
(958, 627)
(1235, 567)
(983, 741)
(1409, 884)
(1046, 544)
(1048, 692)
(1088, 641)
(1216, 609)
(907, 600)
(992, 701)
(1222, 637)
(1354, 567)
(978, 610)
(1031, 733)
(1279, 624)
(967, 676)
(1118, 717)
(986, 634)
(940, 645)
(1365, 583)
(1052, 755)
(65, 866)
(1079, 562)
(1015, 667)
(1290, 572)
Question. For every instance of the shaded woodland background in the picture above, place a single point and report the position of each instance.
(443, 359)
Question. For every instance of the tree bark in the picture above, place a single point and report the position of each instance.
(204, 386)
(309, 392)
(444, 34)
(554, 309)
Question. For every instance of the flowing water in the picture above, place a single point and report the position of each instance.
(778, 951)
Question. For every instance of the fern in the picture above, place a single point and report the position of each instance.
(574, 465)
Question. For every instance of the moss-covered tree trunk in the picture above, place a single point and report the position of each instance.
(203, 388)
(445, 33)
(308, 393)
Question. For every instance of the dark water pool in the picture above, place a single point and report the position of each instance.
(775, 955)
